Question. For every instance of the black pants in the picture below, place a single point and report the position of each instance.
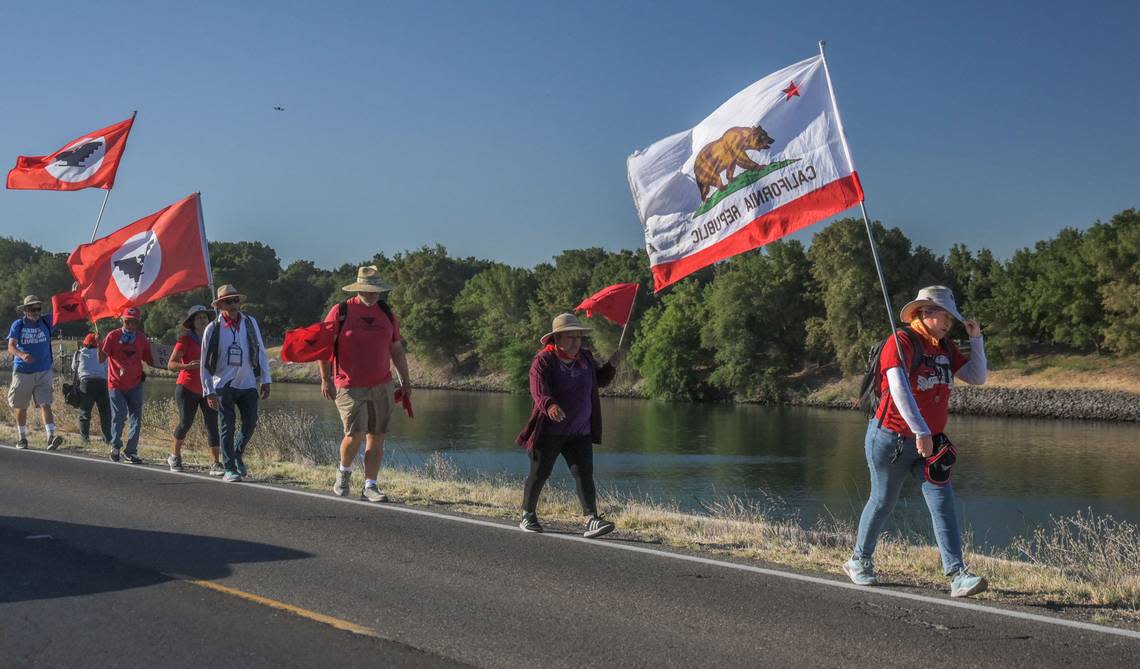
(92, 393)
(188, 404)
(578, 452)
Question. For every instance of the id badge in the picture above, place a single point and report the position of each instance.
(233, 355)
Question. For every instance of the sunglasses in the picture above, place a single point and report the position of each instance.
(230, 300)
(33, 309)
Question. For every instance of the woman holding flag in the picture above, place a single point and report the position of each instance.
(566, 419)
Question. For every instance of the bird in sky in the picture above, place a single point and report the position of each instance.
(279, 108)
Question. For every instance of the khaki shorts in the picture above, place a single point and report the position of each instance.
(365, 410)
(34, 387)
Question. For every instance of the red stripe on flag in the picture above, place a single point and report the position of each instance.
(799, 213)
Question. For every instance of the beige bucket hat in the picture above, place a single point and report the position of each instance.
(29, 301)
(931, 296)
(368, 281)
(191, 313)
(563, 323)
(226, 291)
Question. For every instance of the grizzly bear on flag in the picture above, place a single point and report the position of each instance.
(726, 154)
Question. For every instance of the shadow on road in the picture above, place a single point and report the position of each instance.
(46, 559)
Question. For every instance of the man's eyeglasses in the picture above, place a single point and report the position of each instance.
(230, 300)
(35, 309)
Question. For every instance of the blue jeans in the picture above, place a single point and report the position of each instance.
(126, 407)
(886, 482)
(234, 402)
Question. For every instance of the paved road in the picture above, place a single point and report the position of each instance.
(119, 565)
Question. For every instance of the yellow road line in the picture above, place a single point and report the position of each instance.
(282, 606)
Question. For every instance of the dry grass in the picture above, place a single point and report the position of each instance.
(1085, 565)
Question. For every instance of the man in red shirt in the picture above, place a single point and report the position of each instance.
(125, 349)
(359, 379)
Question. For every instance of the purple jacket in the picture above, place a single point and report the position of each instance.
(542, 372)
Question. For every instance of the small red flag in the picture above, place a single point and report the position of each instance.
(311, 343)
(88, 162)
(400, 398)
(67, 307)
(614, 302)
(160, 255)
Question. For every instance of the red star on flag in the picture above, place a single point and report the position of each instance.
(791, 90)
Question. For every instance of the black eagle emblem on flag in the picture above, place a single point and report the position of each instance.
(75, 157)
(70, 306)
(132, 266)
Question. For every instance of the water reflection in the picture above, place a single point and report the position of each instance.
(1011, 472)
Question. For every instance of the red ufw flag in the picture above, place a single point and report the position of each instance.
(401, 398)
(88, 162)
(614, 302)
(160, 255)
(309, 344)
(67, 307)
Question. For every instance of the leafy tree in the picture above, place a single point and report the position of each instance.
(493, 305)
(758, 307)
(1114, 250)
(669, 353)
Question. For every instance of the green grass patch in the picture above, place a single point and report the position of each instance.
(743, 179)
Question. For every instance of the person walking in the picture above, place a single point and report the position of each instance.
(359, 378)
(29, 344)
(91, 373)
(234, 366)
(566, 419)
(908, 426)
(125, 349)
(186, 359)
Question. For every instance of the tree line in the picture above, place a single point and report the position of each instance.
(742, 329)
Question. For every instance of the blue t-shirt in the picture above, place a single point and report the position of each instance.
(34, 338)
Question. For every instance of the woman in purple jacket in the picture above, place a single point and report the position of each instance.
(566, 419)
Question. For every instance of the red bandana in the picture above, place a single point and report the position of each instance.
(561, 354)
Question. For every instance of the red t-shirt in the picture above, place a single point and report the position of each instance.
(125, 361)
(364, 349)
(186, 350)
(931, 385)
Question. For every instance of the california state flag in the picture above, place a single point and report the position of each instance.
(88, 162)
(160, 255)
(769, 161)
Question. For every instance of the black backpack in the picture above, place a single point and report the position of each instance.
(869, 396)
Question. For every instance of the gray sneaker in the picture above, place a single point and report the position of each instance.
(22, 443)
(174, 462)
(114, 455)
(372, 493)
(54, 441)
(861, 572)
(343, 481)
(217, 469)
(596, 526)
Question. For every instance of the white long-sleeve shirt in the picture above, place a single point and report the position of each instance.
(973, 372)
(236, 377)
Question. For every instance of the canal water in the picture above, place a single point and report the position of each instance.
(1012, 474)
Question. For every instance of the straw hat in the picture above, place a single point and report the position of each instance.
(188, 322)
(368, 281)
(563, 323)
(226, 291)
(931, 296)
(29, 301)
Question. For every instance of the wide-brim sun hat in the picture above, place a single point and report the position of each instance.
(193, 311)
(563, 323)
(225, 292)
(368, 281)
(931, 296)
(29, 301)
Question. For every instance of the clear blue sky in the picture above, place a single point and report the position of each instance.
(501, 129)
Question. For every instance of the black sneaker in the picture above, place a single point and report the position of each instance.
(132, 459)
(114, 455)
(54, 442)
(241, 467)
(596, 526)
(22, 443)
(530, 523)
